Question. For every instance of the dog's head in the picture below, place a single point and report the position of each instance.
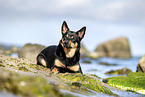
(71, 39)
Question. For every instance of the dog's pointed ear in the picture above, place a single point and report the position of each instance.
(64, 28)
(81, 33)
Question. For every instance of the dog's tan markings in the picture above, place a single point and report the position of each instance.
(43, 62)
(73, 45)
(74, 68)
(58, 63)
(55, 71)
(70, 52)
(72, 37)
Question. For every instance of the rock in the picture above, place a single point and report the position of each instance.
(14, 49)
(141, 65)
(27, 85)
(93, 55)
(117, 48)
(134, 82)
(86, 60)
(24, 78)
(30, 51)
(86, 81)
(108, 64)
(120, 71)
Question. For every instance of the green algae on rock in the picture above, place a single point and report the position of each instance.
(134, 82)
(85, 82)
(120, 71)
(20, 64)
(24, 85)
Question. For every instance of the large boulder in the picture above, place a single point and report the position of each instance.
(141, 65)
(117, 48)
(14, 49)
(30, 51)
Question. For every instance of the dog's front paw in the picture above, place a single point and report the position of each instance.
(54, 70)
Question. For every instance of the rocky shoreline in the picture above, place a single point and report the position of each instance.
(17, 74)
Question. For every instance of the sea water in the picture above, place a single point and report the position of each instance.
(115, 63)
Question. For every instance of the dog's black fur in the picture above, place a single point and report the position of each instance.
(64, 57)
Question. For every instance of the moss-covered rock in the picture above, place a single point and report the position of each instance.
(120, 71)
(22, 65)
(64, 81)
(26, 85)
(85, 82)
(132, 82)
(86, 60)
(108, 64)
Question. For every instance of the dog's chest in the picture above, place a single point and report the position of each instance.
(58, 63)
(70, 52)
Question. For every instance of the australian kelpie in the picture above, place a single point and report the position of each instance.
(64, 57)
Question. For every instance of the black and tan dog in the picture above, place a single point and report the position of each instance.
(64, 57)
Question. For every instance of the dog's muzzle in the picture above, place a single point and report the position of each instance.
(67, 44)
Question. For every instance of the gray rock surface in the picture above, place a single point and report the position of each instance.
(141, 65)
(30, 51)
(116, 48)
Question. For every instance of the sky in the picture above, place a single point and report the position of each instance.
(39, 21)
